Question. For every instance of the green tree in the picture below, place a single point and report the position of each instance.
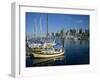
(62, 37)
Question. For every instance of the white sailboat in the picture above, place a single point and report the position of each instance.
(48, 48)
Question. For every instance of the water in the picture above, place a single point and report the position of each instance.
(76, 53)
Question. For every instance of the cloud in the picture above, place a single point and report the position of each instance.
(79, 21)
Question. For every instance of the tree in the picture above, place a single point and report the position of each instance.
(52, 34)
(87, 32)
(62, 33)
(62, 36)
(66, 33)
(80, 31)
(57, 34)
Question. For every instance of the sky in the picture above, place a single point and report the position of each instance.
(55, 22)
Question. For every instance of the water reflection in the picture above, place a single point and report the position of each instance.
(76, 52)
(46, 61)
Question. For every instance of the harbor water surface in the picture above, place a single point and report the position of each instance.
(76, 53)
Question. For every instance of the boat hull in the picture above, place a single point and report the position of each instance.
(37, 55)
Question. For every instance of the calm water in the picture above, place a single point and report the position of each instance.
(76, 53)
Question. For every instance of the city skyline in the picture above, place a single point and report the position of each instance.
(55, 22)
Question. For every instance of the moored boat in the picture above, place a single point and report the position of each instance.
(45, 48)
(49, 51)
(42, 55)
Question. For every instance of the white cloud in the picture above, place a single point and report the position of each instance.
(79, 21)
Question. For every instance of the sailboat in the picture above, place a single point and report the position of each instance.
(48, 49)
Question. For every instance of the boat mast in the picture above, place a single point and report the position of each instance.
(47, 27)
(34, 28)
(40, 26)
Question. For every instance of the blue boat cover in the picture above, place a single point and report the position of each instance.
(58, 46)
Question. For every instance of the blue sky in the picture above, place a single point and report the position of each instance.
(56, 22)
